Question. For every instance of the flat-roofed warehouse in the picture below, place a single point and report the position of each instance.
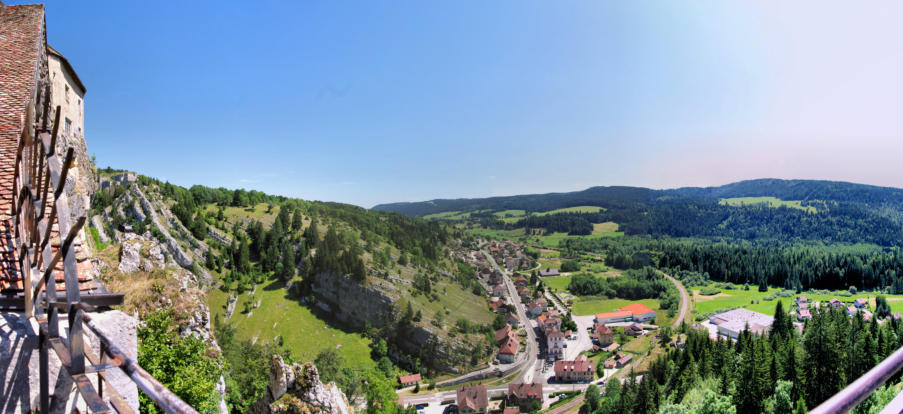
(731, 323)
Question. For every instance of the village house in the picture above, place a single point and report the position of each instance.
(633, 329)
(472, 399)
(610, 363)
(534, 309)
(623, 359)
(508, 350)
(552, 324)
(524, 293)
(512, 319)
(409, 380)
(860, 303)
(503, 334)
(519, 393)
(521, 281)
(499, 306)
(603, 334)
(511, 263)
(580, 370)
(549, 272)
(804, 315)
(511, 410)
(836, 304)
(611, 348)
(555, 344)
(498, 291)
(851, 310)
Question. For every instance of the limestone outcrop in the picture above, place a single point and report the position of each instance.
(297, 388)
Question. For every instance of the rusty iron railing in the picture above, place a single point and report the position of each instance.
(39, 201)
(855, 393)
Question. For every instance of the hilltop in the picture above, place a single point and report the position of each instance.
(765, 209)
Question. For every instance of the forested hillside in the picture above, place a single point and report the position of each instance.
(279, 275)
(768, 209)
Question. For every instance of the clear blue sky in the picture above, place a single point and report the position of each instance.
(371, 102)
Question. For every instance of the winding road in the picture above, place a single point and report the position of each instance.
(684, 308)
(526, 374)
(684, 300)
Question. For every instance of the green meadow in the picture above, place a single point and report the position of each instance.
(770, 201)
(302, 331)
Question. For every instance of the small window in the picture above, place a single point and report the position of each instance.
(67, 94)
(67, 126)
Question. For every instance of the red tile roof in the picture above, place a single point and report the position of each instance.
(510, 347)
(613, 315)
(602, 329)
(503, 333)
(525, 391)
(473, 397)
(580, 365)
(410, 379)
(637, 309)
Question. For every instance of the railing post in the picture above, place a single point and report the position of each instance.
(45, 372)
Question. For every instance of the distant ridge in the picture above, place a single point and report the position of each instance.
(619, 195)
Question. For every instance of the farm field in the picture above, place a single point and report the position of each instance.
(577, 209)
(728, 298)
(771, 201)
(557, 282)
(302, 331)
(609, 227)
(731, 298)
(448, 215)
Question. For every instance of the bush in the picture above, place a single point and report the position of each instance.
(183, 365)
(570, 266)
(709, 291)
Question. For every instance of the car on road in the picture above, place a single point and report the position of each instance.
(451, 409)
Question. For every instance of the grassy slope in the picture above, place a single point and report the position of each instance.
(577, 209)
(303, 332)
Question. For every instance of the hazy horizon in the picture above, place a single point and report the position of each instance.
(369, 104)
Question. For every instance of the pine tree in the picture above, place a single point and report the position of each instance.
(781, 325)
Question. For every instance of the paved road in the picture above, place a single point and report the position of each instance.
(684, 308)
(526, 374)
(437, 398)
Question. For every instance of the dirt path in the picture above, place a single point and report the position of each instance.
(684, 300)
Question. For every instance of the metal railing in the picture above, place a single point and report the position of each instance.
(39, 202)
(855, 393)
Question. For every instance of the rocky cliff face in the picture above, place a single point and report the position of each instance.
(356, 304)
(297, 388)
